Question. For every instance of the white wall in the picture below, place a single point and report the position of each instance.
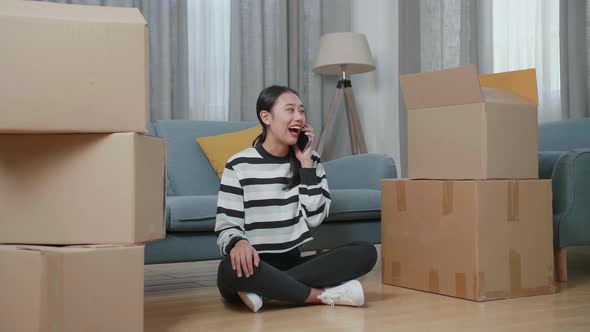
(377, 92)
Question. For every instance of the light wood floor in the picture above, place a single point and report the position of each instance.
(183, 297)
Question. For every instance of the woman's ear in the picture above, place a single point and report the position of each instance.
(265, 116)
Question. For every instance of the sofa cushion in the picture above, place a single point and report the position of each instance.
(359, 171)
(189, 170)
(197, 213)
(354, 204)
(191, 213)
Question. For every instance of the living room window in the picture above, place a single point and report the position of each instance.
(208, 24)
(526, 35)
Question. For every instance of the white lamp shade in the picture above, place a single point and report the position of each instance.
(344, 51)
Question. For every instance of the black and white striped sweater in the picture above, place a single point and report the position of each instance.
(254, 205)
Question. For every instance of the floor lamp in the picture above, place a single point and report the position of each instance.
(342, 54)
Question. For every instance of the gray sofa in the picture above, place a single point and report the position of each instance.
(191, 201)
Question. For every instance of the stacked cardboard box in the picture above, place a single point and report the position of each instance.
(81, 187)
(473, 220)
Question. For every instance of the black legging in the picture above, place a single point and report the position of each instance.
(290, 277)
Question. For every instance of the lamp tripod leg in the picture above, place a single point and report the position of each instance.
(329, 121)
(357, 138)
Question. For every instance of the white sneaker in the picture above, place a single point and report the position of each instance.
(253, 301)
(349, 293)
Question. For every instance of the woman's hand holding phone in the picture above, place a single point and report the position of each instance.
(302, 148)
(302, 141)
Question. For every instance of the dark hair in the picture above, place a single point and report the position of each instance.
(266, 100)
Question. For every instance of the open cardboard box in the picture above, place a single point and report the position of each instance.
(461, 126)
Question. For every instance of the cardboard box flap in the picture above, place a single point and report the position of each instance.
(502, 96)
(53, 249)
(71, 12)
(69, 249)
(19, 247)
(455, 86)
(8, 248)
(40, 248)
(101, 246)
(522, 82)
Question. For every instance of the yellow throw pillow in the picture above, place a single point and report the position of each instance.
(220, 148)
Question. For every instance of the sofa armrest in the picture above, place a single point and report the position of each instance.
(361, 171)
(571, 198)
(547, 161)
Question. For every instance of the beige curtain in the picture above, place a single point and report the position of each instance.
(575, 58)
(275, 42)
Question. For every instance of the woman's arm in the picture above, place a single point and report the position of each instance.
(314, 194)
(229, 223)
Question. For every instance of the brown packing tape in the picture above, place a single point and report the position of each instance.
(515, 290)
(396, 271)
(513, 201)
(516, 287)
(44, 298)
(54, 267)
(400, 194)
(461, 285)
(515, 272)
(478, 285)
(433, 281)
(550, 287)
(447, 198)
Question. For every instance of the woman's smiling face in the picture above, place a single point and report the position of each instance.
(286, 119)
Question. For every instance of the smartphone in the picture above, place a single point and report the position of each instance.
(303, 141)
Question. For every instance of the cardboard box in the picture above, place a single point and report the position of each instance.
(464, 127)
(82, 188)
(477, 240)
(72, 68)
(71, 288)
